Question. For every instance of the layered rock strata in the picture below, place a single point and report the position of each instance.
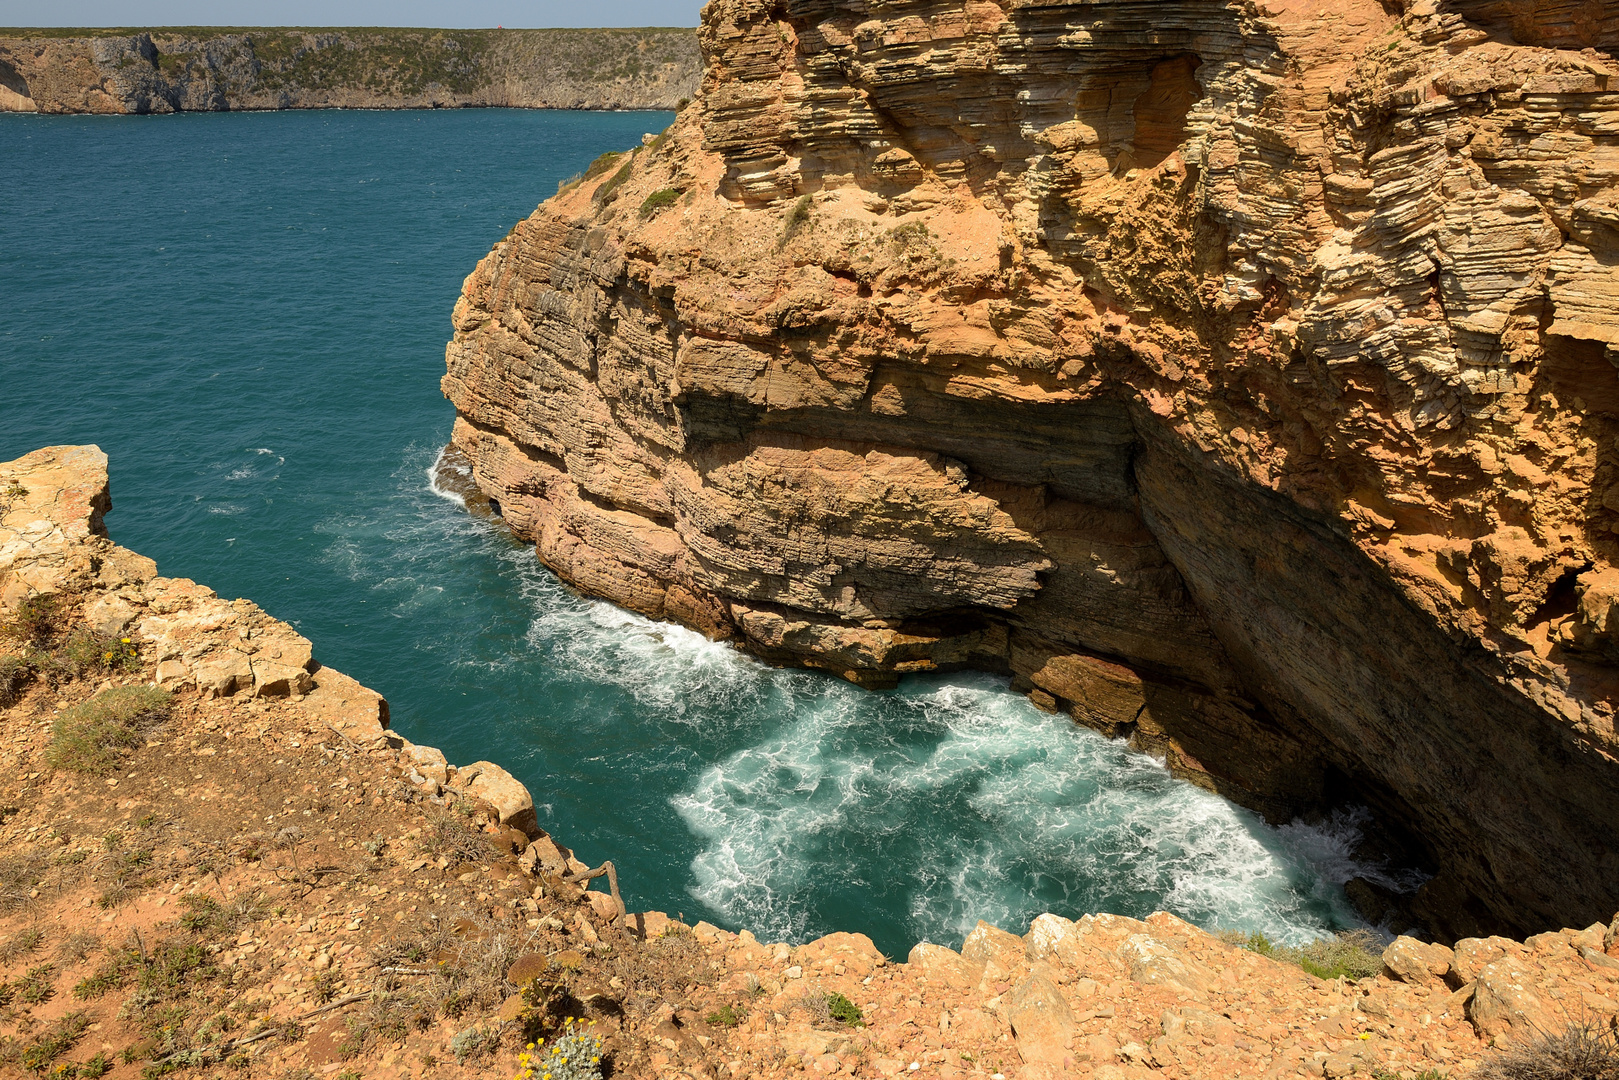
(1240, 377)
(200, 70)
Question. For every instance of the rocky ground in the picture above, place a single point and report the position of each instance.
(265, 881)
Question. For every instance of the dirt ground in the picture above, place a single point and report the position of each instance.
(253, 890)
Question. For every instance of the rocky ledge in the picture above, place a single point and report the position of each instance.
(202, 69)
(274, 881)
(1239, 377)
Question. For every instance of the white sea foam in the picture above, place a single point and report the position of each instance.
(809, 802)
(436, 488)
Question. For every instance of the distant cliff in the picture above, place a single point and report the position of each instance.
(192, 69)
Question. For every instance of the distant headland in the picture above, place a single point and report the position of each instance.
(211, 69)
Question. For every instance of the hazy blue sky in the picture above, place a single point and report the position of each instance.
(347, 13)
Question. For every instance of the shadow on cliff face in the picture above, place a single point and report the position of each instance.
(1491, 784)
(14, 95)
(1249, 642)
(1160, 111)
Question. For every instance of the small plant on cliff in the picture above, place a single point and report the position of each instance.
(797, 218)
(575, 1055)
(15, 671)
(602, 163)
(91, 737)
(1583, 1051)
(845, 1011)
(658, 200)
(608, 189)
(85, 652)
(35, 622)
(726, 1016)
(1352, 954)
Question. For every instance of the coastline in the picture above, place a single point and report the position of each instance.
(299, 922)
(256, 69)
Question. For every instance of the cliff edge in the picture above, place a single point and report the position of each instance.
(209, 69)
(255, 872)
(1240, 377)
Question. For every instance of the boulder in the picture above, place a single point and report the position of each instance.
(487, 781)
(173, 675)
(1046, 936)
(1470, 956)
(940, 964)
(223, 672)
(855, 953)
(986, 943)
(1506, 1002)
(1413, 961)
(272, 678)
(427, 760)
(1042, 1023)
(1156, 964)
(545, 856)
(603, 906)
(109, 615)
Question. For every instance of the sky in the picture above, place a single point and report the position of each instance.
(523, 13)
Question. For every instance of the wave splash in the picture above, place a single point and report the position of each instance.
(792, 803)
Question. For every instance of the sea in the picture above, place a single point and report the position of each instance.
(248, 311)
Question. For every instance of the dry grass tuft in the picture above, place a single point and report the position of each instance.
(37, 621)
(15, 671)
(1582, 1051)
(20, 873)
(93, 736)
(453, 838)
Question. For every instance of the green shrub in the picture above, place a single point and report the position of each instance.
(602, 163)
(606, 191)
(726, 1016)
(657, 201)
(108, 978)
(1352, 954)
(91, 737)
(38, 985)
(56, 1041)
(845, 1011)
(96, 1067)
(86, 652)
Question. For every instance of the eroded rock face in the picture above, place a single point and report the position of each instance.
(1240, 378)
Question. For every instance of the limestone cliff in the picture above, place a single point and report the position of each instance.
(1238, 376)
(210, 69)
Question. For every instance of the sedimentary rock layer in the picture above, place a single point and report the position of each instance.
(1240, 377)
(207, 69)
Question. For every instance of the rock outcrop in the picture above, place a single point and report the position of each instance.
(197, 70)
(1239, 377)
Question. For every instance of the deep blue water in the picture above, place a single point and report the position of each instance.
(248, 313)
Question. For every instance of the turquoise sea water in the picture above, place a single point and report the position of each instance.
(248, 312)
